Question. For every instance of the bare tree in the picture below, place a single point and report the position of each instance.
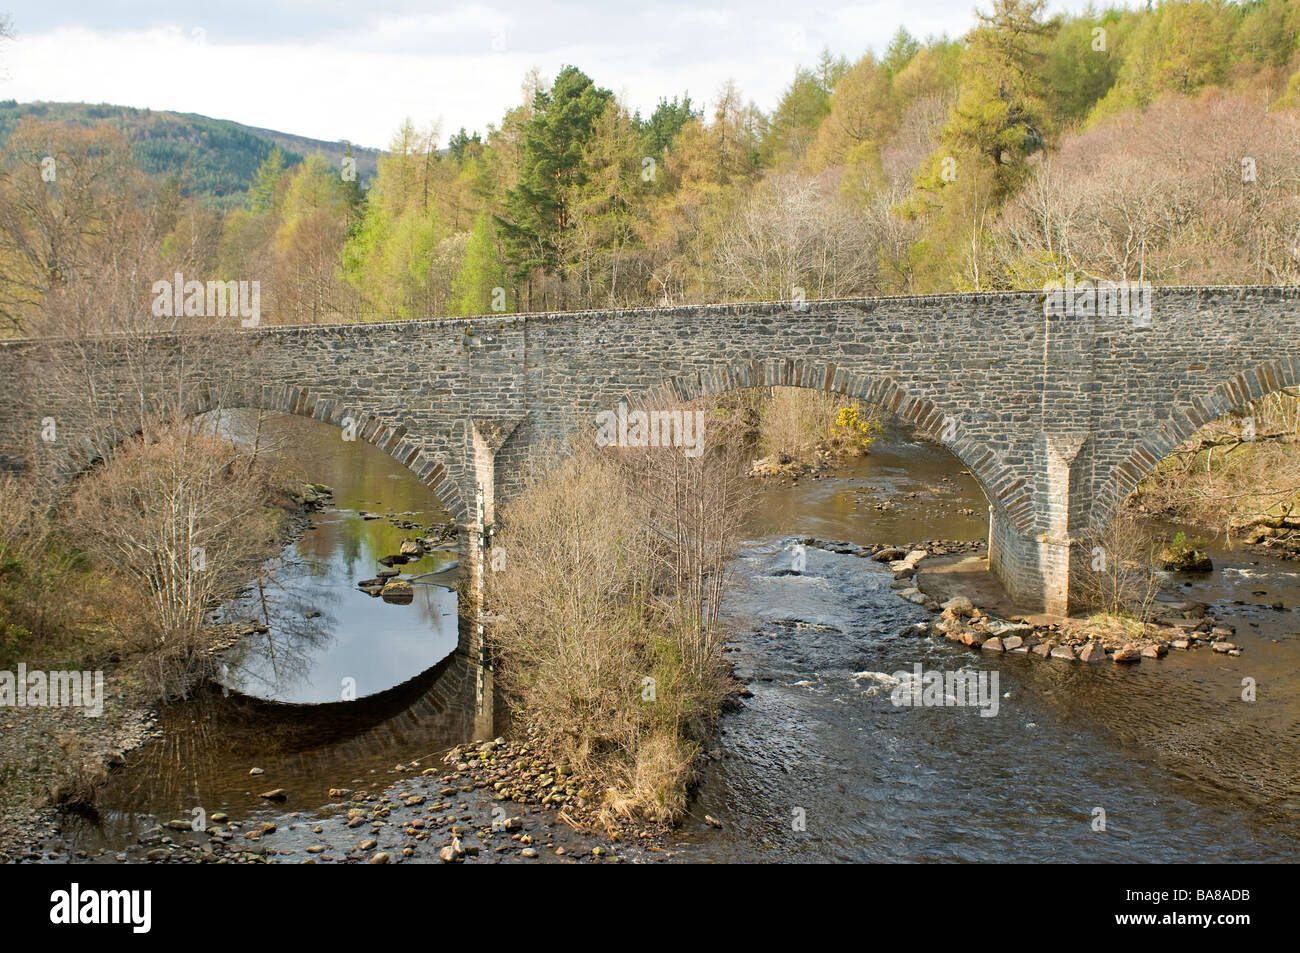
(178, 514)
(795, 233)
(1116, 573)
(65, 192)
(606, 615)
(1121, 202)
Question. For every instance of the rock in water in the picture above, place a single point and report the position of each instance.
(1184, 560)
(398, 591)
(1092, 652)
(1129, 653)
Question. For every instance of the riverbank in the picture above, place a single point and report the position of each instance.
(54, 758)
(1240, 477)
(56, 754)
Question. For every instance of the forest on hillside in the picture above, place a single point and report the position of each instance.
(1158, 144)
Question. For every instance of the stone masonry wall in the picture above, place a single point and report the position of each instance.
(1058, 418)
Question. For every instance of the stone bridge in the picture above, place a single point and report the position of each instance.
(1058, 416)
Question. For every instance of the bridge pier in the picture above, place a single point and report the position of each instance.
(1036, 567)
(1035, 571)
(485, 438)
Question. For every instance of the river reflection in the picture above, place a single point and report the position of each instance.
(419, 688)
(325, 639)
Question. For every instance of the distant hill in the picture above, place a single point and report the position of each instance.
(214, 158)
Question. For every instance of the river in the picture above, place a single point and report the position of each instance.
(818, 764)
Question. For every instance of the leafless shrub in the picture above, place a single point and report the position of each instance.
(181, 516)
(606, 616)
(1115, 574)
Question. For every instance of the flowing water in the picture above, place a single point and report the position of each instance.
(821, 765)
(818, 764)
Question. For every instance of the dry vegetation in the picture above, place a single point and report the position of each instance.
(606, 625)
(792, 429)
(1239, 471)
(124, 564)
(1116, 202)
(182, 516)
(1115, 577)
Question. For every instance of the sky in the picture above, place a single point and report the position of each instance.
(355, 69)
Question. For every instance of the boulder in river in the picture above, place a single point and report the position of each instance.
(410, 547)
(908, 563)
(398, 591)
(1092, 652)
(1128, 654)
(1184, 560)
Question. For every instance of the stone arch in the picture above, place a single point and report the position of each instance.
(430, 467)
(1183, 421)
(1008, 492)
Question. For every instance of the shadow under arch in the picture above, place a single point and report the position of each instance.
(1005, 490)
(1233, 394)
(428, 466)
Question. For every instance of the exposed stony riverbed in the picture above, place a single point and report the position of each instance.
(1176, 624)
(485, 802)
(43, 750)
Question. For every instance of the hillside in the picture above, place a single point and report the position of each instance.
(215, 159)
